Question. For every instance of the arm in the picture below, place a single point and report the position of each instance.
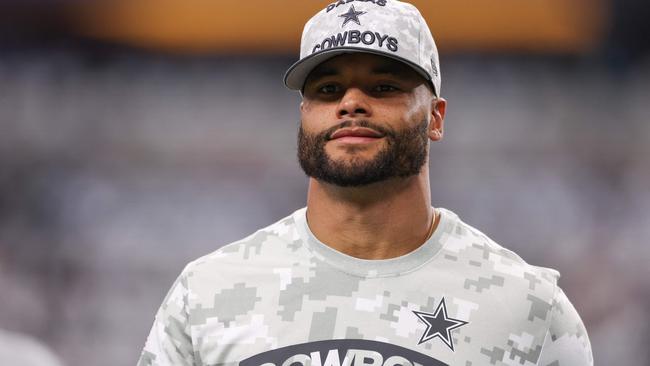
(566, 342)
(169, 342)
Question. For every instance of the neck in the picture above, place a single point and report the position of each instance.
(378, 221)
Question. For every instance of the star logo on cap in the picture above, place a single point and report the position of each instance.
(439, 325)
(351, 16)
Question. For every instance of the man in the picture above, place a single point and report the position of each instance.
(368, 273)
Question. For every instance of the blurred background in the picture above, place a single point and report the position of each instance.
(138, 135)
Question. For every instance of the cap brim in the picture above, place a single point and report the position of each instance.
(296, 75)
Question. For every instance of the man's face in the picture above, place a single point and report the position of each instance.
(365, 119)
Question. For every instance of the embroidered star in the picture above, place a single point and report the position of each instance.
(351, 15)
(439, 325)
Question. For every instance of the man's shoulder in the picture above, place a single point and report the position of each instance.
(495, 265)
(271, 243)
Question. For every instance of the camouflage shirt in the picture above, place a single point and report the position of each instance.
(282, 298)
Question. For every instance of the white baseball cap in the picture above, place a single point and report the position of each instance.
(388, 28)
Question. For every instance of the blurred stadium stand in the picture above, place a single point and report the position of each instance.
(136, 136)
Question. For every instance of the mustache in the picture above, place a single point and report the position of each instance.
(327, 134)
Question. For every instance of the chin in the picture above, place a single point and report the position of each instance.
(352, 158)
(353, 152)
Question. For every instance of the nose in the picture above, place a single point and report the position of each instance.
(354, 103)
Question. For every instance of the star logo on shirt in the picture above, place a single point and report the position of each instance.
(351, 16)
(439, 325)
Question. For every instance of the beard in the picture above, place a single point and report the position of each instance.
(404, 155)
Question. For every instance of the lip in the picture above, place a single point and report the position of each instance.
(356, 132)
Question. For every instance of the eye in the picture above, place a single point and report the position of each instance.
(328, 89)
(385, 88)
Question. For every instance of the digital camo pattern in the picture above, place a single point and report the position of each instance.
(387, 27)
(280, 297)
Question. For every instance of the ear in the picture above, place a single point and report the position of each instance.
(305, 105)
(436, 127)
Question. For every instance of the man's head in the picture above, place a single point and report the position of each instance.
(367, 115)
(365, 119)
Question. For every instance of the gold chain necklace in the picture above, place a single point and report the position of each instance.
(433, 224)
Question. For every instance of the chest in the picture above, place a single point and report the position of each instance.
(339, 320)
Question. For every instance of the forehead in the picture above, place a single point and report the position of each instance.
(363, 63)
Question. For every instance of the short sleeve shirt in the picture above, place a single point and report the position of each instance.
(280, 297)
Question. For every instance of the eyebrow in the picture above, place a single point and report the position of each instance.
(390, 69)
(322, 72)
(393, 69)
